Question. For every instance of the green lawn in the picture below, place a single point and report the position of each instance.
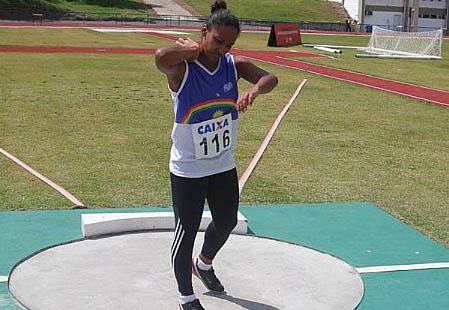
(78, 38)
(99, 125)
(98, 8)
(94, 117)
(295, 10)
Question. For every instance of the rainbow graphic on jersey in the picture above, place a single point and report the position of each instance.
(213, 108)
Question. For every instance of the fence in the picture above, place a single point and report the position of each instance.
(40, 15)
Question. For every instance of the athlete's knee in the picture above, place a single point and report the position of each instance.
(226, 226)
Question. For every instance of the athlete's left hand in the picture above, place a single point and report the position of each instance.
(245, 100)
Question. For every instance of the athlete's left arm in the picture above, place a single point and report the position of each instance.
(263, 81)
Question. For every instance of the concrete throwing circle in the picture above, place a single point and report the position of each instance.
(133, 272)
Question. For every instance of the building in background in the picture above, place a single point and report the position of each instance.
(400, 14)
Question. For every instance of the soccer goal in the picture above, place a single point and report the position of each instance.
(394, 44)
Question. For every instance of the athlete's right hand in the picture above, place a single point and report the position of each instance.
(193, 45)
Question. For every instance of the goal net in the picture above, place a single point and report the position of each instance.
(421, 44)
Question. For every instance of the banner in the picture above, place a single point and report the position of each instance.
(283, 34)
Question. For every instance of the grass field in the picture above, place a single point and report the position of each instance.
(77, 37)
(99, 125)
(107, 8)
(305, 10)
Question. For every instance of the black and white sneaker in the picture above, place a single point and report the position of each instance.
(193, 305)
(208, 278)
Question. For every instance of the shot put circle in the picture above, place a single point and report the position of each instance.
(133, 271)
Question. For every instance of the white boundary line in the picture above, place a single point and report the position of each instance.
(263, 146)
(47, 181)
(376, 269)
(350, 81)
(3, 279)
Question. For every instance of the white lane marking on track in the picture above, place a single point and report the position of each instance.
(374, 269)
(3, 279)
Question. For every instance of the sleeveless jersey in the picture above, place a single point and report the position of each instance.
(204, 133)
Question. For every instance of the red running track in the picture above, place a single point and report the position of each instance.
(435, 96)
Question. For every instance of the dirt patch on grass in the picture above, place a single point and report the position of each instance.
(187, 7)
(339, 9)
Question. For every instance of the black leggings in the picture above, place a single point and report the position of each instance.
(189, 194)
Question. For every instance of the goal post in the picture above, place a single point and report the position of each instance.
(388, 42)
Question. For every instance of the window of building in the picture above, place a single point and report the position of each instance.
(425, 16)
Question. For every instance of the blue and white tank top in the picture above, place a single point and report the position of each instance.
(205, 129)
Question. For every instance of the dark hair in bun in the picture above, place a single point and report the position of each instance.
(218, 5)
(220, 15)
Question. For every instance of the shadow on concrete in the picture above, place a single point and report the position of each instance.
(245, 303)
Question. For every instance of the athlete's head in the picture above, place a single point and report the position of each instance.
(220, 31)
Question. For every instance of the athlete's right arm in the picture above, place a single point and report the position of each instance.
(170, 60)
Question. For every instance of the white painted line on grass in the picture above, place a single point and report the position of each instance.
(375, 269)
(3, 279)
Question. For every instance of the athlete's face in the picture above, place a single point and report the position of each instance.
(218, 40)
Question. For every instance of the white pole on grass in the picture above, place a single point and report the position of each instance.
(327, 49)
(396, 56)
